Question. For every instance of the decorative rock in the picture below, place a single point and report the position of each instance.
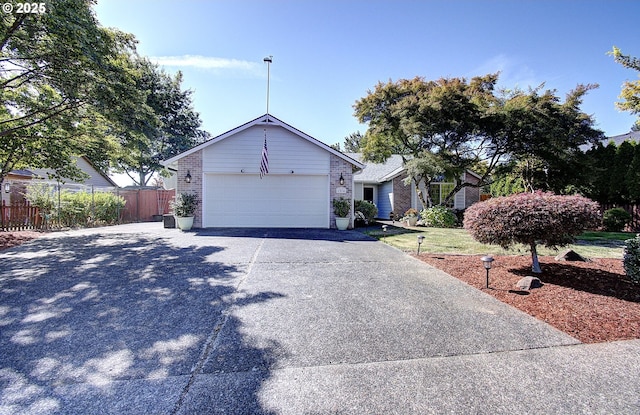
(571, 255)
(526, 283)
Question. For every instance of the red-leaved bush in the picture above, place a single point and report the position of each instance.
(531, 219)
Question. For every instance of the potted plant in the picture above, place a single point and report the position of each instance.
(184, 208)
(341, 208)
(410, 217)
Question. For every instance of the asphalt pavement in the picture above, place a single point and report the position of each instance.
(138, 319)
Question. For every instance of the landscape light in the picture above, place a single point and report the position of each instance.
(420, 240)
(486, 261)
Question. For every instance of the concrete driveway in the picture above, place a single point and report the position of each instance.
(137, 319)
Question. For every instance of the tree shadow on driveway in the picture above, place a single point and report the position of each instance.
(97, 310)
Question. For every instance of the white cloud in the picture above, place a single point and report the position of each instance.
(512, 72)
(206, 62)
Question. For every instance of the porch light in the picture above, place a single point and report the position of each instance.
(420, 240)
(486, 261)
(341, 180)
(187, 178)
(7, 187)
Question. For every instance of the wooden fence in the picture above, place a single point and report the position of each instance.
(19, 216)
(142, 205)
(634, 211)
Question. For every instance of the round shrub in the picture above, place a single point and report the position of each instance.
(614, 220)
(368, 209)
(631, 259)
(439, 217)
(531, 218)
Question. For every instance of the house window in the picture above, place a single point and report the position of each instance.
(368, 194)
(439, 191)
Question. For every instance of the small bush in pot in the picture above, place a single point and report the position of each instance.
(341, 207)
(184, 208)
(185, 205)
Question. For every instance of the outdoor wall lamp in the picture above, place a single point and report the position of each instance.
(486, 261)
(420, 240)
(341, 180)
(7, 187)
(187, 178)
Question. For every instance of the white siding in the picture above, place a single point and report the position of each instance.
(287, 152)
(358, 191)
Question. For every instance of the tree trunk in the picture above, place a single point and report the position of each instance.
(535, 265)
(425, 205)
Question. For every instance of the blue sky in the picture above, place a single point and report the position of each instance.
(327, 54)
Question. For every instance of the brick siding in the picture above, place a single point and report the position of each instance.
(192, 164)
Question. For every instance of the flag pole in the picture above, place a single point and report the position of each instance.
(268, 61)
(264, 159)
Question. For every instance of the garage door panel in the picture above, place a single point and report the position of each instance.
(244, 200)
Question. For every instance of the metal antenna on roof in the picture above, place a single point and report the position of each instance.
(268, 60)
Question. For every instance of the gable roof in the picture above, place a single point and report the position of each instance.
(383, 172)
(379, 172)
(88, 167)
(261, 121)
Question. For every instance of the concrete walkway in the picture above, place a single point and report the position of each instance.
(137, 319)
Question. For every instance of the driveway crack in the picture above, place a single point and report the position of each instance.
(213, 336)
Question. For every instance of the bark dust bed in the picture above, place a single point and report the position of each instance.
(591, 301)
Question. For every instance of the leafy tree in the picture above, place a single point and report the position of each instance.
(162, 127)
(543, 137)
(633, 176)
(599, 159)
(467, 123)
(630, 94)
(57, 71)
(352, 142)
(449, 118)
(617, 173)
(531, 219)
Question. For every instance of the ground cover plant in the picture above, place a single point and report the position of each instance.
(591, 301)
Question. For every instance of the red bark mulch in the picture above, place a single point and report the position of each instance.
(9, 239)
(591, 301)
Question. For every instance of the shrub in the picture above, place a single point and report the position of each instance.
(42, 196)
(631, 259)
(614, 220)
(341, 207)
(184, 205)
(84, 208)
(439, 217)
(368, 209)
(530, 219)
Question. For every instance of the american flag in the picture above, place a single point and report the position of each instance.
(264, 163)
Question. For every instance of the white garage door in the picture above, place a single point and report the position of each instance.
(275, 201)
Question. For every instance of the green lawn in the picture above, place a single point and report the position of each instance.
(458, 241)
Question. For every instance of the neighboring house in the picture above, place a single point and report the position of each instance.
(633, 136)
(383, 185)
(17, 179)
(304, 176)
